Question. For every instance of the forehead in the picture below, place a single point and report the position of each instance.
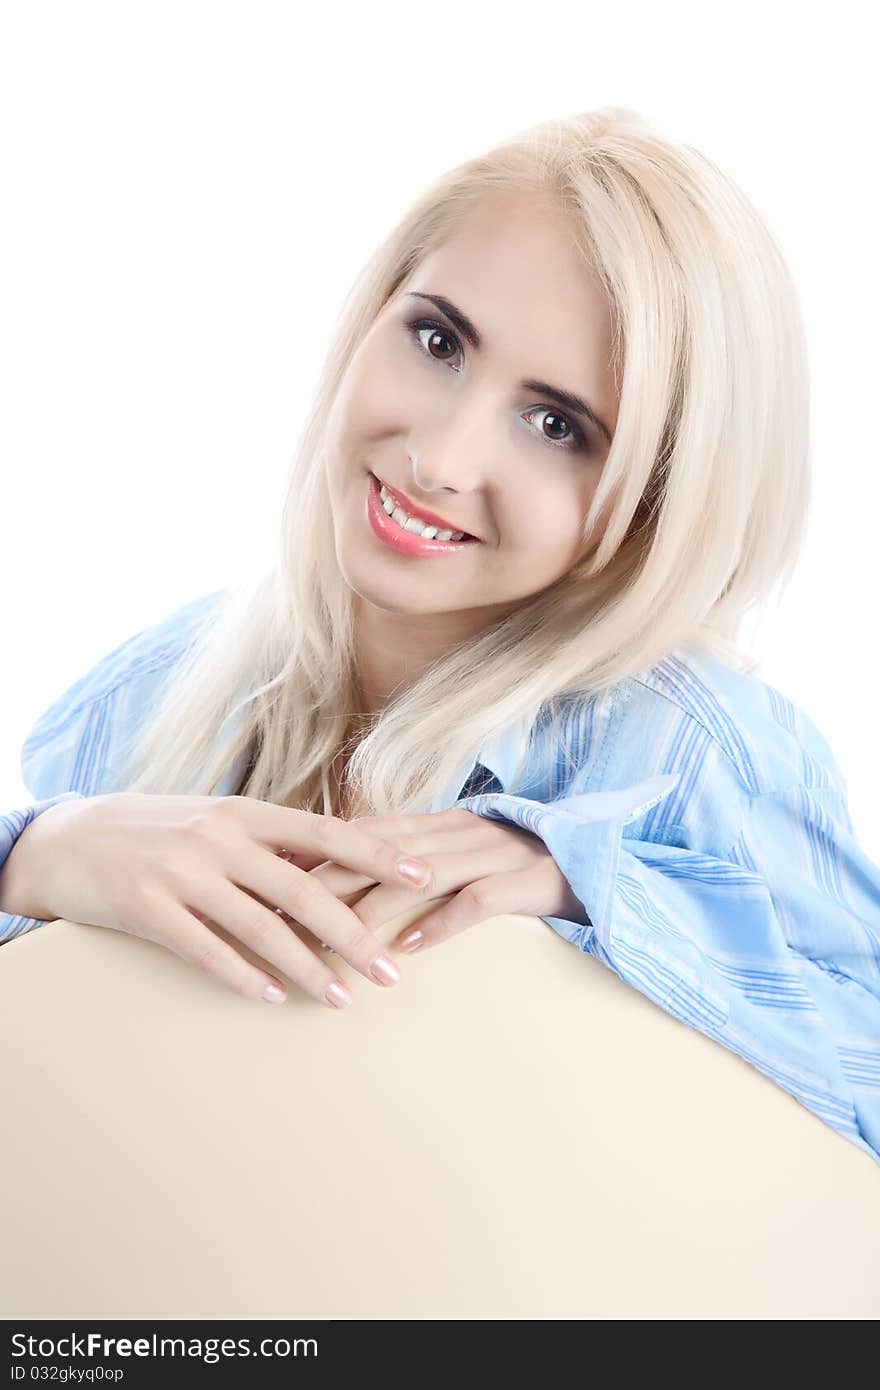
(525, 237)
(516, 267)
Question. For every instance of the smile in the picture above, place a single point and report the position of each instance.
(395, 500)
(413, 524)
(407, 534)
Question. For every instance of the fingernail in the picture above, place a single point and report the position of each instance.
(337, 995)
(273, 995)
(411, 942)
(385, 971)
(417, 873)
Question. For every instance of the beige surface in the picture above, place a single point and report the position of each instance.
(509, 1132)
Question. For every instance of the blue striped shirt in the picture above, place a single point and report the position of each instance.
(701, 820)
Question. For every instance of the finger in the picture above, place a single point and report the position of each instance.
(476, 836)
(340, 881)
(291, 923)
(412, 823)
(433, 845)
(242, 917)
(186, 934)
(436, 825)
(302, 861)
(476, 902)
(345, 842)
(452, 873)
(451, 832)
(303, 897)
(337, 879)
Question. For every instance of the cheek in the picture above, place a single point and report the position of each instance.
(351, 404)
(547, 519)
(380, 390)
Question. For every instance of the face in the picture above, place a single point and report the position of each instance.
(467, 431)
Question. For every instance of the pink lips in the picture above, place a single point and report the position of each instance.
(420, 513)
(405, 542)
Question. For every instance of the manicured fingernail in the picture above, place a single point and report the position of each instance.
(411, 942)
(273, 995)
(385, 971)
(417, 873)
(337, 995)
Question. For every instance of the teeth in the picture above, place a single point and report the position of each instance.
(412, 524)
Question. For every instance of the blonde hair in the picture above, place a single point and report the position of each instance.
(705, 490)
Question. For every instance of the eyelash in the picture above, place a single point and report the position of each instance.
(577, 444)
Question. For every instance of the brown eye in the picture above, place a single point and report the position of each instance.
(557, 421)
(434, 340)
(559, 428)
(438, 337)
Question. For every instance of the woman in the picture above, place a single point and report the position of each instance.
(558, 452)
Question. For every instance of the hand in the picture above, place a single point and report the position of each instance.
(191, 872)
(491, 868)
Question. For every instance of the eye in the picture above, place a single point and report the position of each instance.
(436, 330)
(577, 440)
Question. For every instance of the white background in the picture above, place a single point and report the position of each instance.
(188, 190)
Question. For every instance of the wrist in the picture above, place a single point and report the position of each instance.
(19, 882)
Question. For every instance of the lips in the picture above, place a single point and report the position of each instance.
(421, 513)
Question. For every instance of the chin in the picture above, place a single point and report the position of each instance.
(389, 600)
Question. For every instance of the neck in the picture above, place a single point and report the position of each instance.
(393, 650)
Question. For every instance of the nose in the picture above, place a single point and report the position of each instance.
(453, 454)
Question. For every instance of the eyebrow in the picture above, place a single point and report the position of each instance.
(568, 400)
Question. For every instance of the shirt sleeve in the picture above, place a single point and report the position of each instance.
(772, 950)
(67, 756)
(55, 767)
(12, 825)
(78, 744)
(71, 751)
(64, 757)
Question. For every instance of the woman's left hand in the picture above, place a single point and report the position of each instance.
(490, 866)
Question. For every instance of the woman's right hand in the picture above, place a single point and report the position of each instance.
(163, 867)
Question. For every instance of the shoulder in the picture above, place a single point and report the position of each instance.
(727, 735)
(154, 646)
(768, 742)
(126, 674)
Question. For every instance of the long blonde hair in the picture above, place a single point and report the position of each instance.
(705, 489)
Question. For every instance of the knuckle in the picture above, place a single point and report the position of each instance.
(323, 831)
(362, 943)
(203, 826)
(306, 895)
(257, 922)
(368, 915)
(480, 896)
(208, 958)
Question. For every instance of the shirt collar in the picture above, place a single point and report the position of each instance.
(502, 751)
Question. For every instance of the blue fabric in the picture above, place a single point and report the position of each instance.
(698, 815)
